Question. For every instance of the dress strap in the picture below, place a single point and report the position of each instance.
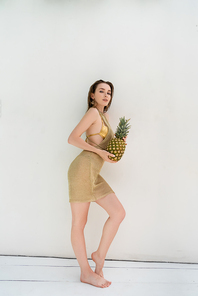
(95, 145)
(93, 135)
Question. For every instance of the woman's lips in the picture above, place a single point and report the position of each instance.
(105, 100)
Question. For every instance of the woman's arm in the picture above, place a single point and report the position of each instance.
(75, 137)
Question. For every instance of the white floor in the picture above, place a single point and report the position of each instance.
(25, 276)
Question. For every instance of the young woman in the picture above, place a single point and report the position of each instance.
(86, 185)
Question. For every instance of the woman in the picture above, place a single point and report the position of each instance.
(86, 185)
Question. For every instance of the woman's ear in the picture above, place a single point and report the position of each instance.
(92, 96)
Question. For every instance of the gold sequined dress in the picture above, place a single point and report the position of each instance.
(85, 182)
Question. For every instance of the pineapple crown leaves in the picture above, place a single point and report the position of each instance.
(122, 128)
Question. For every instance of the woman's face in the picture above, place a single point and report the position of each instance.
(102, 94)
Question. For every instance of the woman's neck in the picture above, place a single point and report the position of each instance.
(100, 108)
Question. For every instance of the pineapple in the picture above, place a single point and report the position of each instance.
(117, 145)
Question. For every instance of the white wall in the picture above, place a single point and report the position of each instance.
(51, 52)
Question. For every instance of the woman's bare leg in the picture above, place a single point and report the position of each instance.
(116, 213)
(79, 219)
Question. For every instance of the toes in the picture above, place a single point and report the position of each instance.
(104, 285)
(107, 284)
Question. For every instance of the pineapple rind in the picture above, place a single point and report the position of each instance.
(117, 150)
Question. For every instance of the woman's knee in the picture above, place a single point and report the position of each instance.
(79, 223)
(119, 214)
(122, 214)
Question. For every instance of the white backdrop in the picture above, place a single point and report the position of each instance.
(51, 52)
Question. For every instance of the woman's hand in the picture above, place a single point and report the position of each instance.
(125, 140)
(105, 155)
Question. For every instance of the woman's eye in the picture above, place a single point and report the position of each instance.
(103, 92)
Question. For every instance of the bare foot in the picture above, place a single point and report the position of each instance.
(99, 264)
(94, 279)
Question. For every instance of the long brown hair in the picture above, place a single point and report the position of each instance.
(93, 89)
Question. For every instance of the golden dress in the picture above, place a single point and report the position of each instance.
(85, 182)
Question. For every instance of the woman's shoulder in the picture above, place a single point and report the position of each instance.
(92, 112)
(95, 113)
